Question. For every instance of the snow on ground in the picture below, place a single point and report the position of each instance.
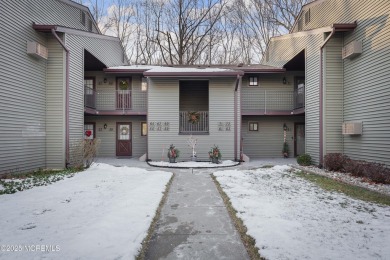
(291, 218)
(225, 163)
(101, 213)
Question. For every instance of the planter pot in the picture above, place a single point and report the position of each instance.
(193, 159)
(214, 160)
(172, 160)
(285, 155)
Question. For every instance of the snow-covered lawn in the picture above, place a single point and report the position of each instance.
(189, 164)
(101, 213)
(291, 218)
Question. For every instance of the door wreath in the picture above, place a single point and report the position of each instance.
(124, 130)
(193, 117)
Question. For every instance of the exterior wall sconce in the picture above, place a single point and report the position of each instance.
(284, 80)
(105, 80)
(105, 126)
(285, 127)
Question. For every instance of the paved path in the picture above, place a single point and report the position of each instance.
(194, 223)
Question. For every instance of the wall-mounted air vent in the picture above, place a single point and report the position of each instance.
(352, 128)
(37, 50)
(352, 49)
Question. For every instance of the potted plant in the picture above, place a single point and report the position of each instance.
(285, 150)
(215, 154)
(123, 84)
(173, 153)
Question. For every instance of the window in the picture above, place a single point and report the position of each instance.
(300, 25)
(82, 17)
(307, 16)
(89, 131)
(253, 81)
(253, 126)
(90, 25)
(144, 84)
(144, 129)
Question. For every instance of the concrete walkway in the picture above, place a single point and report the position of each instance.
(194, 223)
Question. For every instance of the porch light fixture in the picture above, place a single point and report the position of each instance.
(285, 128)
(105, 126)
(284, 80)
(105, 80)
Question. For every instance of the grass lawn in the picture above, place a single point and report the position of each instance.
(350, 190)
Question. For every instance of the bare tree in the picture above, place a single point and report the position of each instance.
(184, 27)
(195, 31)
(283, 13)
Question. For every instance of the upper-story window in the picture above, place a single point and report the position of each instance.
(253, 81)
(307, 16)
(82, 17)
(90, 25)
(300, 24)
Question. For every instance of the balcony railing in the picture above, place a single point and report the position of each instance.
(265, 101)
(112, 100)
(202, 126)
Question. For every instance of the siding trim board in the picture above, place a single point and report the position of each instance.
(335, 28)
(66, 96)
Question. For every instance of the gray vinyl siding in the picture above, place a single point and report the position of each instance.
(108, 101)
(24, 142)
(283, 49)
(333, 96)
(55, 105)
(22, 88)
(253, 96)
(328, 12)
(107, 51)
(163, 106)
(108, 136)
(366, 85)
(267, 142)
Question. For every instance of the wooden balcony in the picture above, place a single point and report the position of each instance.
(274, 102)
(187, 127)
(114, 102)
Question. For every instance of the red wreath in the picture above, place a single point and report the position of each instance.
(88, 133)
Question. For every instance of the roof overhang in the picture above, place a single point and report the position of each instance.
(183, 74)
(46, 28)
(344, 27)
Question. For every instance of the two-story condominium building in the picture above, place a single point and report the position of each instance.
(322, 88)
(241, 109)
(343, 47)
(46, 47)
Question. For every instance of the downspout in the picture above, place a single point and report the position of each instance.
(321, 154)
(66, 97)
(235, 117)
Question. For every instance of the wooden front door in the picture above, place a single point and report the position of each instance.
(299, 139)
(123, 139)
(123, 93)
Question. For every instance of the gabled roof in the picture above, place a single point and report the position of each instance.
(304, 7)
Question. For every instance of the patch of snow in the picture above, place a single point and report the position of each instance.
(101, 213)
(183, 69)
(225, 163)
(292, 218)
(134, 67)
